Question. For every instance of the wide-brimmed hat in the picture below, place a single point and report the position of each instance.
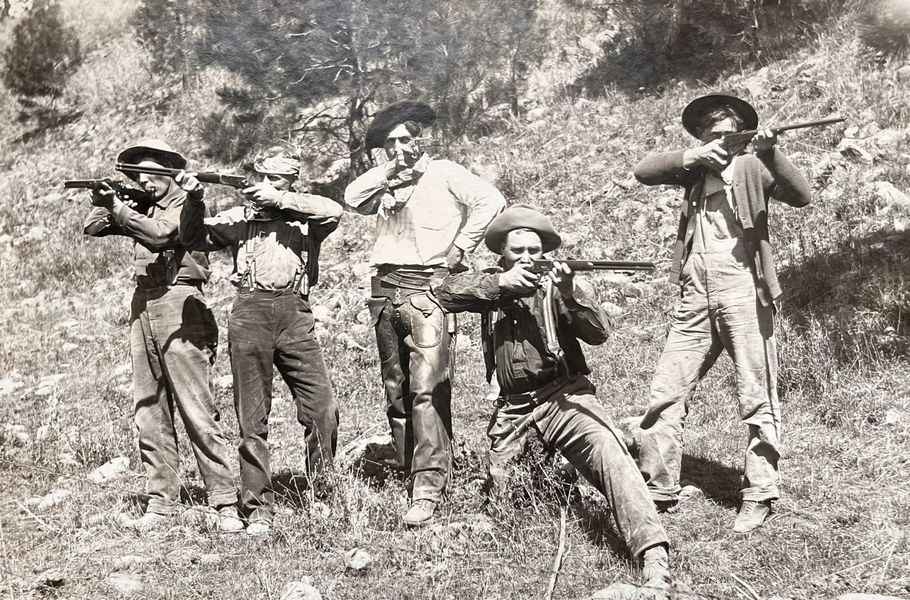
(696, 110)
(521, 216)
(152, 147)
(394, 115)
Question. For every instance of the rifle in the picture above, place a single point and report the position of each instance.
(124, 191)
(235, 181)
(744, 137)
(544, 265)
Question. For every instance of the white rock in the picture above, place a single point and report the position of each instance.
(53, 499)
(903, 74)
(890, 196)
(128, 560)
(17, 434)
(612, 310)
(616, 591)
(69, 347)
(35, 234)
(43, 433)
(112, 469)
(10, 383)
(363, 317)
(124, 583)
(300, 590)
(323, 314)
(122, 369)
(358, 560)
(866, 597)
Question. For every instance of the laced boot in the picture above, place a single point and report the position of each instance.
(751, 515)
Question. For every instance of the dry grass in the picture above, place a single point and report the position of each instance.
(841, 525)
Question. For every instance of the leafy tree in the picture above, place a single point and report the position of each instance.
(314, 70)
(884, 28)
(42, 55)
(161, 29)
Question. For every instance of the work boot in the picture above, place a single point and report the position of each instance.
(655, 566)
(259, 527)
(420, 513)
(751, 515)
(228, 519)
(147, 522)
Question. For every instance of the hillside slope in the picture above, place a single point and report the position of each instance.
(842, 525)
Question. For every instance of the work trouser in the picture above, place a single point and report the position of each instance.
(570, 419)
(276, 329)
(719, 309)
(173, 337)
(413, 343)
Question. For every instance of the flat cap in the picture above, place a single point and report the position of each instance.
(521, 216)
(153, 147)
(394, 115)
(696, 110)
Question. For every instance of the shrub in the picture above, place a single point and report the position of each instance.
(884, 27)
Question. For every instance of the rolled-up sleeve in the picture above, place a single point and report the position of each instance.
(363, 193)
(483, 202)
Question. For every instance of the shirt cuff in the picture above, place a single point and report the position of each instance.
(464, 243)
(121, 213)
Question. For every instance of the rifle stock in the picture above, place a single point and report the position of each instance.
(123, 190)
(544, 265)
(235, 181)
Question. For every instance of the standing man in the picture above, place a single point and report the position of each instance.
(724, 266)
(531, 326)
(173, 338)
(430, 213)
(275, 241)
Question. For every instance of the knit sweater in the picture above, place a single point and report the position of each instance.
(755, 180)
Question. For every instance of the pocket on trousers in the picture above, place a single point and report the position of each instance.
(427, 321)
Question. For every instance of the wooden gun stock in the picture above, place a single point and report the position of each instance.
(235, 181)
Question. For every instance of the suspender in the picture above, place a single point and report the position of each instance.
(301, 281)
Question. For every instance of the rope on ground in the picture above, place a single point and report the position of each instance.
(560, 550)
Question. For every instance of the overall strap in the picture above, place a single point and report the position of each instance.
(550, 320)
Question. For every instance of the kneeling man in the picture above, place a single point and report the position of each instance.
(531, 326)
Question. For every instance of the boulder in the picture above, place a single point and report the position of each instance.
(110, 470)
(300, 590)
(358, 560)
(124, 583)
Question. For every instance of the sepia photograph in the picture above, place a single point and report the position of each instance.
(455, 299)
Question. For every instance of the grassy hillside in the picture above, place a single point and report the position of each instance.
(841, 526)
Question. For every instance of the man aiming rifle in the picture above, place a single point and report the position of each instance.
(275, 241)
(728, 285)
(173, 337)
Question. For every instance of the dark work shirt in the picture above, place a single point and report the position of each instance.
(514, 337)
(158, 256)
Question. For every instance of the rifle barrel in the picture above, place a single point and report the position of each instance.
(801, 125)
(597, 265)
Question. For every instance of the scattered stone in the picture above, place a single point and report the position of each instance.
(690, 491)
(889, 138)
(616, 591)
(636, 290)
(892, 417)
(209, 558)
(69, 347)
(852, 149)
(35, 234)
(903, 74)
(358, 560)
(890, 196)
(112, 469)
(323, 314)
(50, 578)
(612, 310)
(363, 317)
(300, 590)
(48, 385)
(67, 459)
(43, 433)
(122, 369)
(131, 560)
(53, 499)
(17, 434)
(355, 450)
(10, 383)
(124, 583)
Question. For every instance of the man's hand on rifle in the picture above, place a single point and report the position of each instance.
(518, 280)
(764, 140)
(563, 278)
(189, 183)
(105, 197)
(263, 195)
(712, 155)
